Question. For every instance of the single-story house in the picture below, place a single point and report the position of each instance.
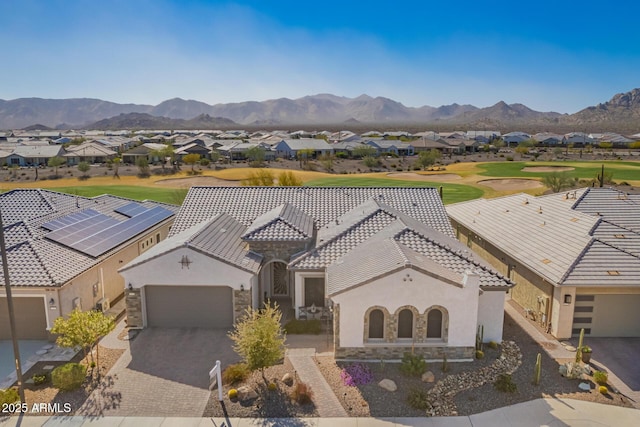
(89, 151)
(574, 256)
(396, 147)
(34, 155)
(515, 137)
(63, 252)
(548, 138)
(288, 148)
(193, 148)
(381, 263)
(149, 150)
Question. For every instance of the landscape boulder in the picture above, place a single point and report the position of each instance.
(246, 393)
(428, 377)
(287, 379)
(388, 384)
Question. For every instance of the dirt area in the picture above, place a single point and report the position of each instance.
(512, 184)
(425, 177)
(196, 181)
(547, 169)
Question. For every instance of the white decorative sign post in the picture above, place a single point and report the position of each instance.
(215, 377)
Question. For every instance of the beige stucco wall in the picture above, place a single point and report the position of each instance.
(491, 314)
(422, 292)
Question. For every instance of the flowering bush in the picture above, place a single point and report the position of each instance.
(356, 374)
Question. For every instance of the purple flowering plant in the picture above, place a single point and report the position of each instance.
(356, 374)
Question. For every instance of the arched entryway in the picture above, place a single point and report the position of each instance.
(275, 281)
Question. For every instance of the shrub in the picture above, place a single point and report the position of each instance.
(234, 374)
(272, 386)
(603, 389)
(9, 396)
(295, 326)
(302, 393)
(509, 159)
(69, 376)
(600, 377)
(232, 394)
(493, 345)
(413, 365)
(39, 379)
(479, 354)
(505, 384)
(417, 399)
(356, 374)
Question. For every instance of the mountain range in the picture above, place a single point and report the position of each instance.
(620, 113)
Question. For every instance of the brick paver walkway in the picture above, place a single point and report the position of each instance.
(325, 400)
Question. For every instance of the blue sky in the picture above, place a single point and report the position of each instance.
(548, 55)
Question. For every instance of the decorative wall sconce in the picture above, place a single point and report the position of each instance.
(130, 287)
(52, 304)
(242, 287)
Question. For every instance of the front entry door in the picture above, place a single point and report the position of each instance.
(279, 279)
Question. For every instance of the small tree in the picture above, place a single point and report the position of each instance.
(167, 152)
(557, 181)
(327, 161)
(82, 329)
(143, 167)
(256, 156)
(191, 159)
(115, 162)
(55, 163)
(364, 151)
(259, 338)
(84, 168)
(289, 179)
(370, 161)
(428, 158)
(304, 156)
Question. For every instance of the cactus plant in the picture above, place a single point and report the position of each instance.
(579, 348)
(537, 370)
(479, 337)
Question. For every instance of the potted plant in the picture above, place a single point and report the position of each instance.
(586, 353)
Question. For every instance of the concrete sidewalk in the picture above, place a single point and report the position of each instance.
(536, 413)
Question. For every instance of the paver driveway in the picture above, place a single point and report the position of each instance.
(164, 372)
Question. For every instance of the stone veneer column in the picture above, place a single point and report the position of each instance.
(241, 301)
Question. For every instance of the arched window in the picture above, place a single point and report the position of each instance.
(405, 324)
(434, 324)
(376, 324)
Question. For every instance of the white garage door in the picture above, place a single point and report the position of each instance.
(607, 315)
(189, 306)
(31, 321)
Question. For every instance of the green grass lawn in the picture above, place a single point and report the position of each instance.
(167, 195)
(584, 170)
(452, 193)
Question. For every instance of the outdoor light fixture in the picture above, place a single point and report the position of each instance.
(52, 302)
(567, 299)
(130, 287)
(242, 287)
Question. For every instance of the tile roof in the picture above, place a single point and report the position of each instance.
(284, 223)
(572, 238)
(323, 204)
(219, 237)
(37, 261)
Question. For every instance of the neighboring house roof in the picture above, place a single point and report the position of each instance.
(38, 151)
(584, 237)
(316, 144)
(219, 238)
(89, 149)
(34, 259)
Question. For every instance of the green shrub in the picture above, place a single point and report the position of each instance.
(302, 393)
(233, 394)
(413, 365)
(234, 374)
(600, 377)
(39, 379)
(69, 376)
(9, 396)
(272, 386)
(479, 354)
(505, 384)
(493, 345)
(417, 399)
(295, 326)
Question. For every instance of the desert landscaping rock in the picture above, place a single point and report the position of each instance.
(246, 393)
(428, 377)
(388, 385)
(287, 378)
(584, 386)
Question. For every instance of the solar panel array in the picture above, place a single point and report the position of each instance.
(99, 233)
(70, 219)
(131, 209)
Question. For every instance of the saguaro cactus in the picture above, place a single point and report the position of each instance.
(579, 348)
(479, 337)
(537, 370)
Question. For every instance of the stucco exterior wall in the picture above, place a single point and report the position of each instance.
(491, 314)
(422, 292)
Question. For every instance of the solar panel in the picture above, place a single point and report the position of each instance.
(101, 233)
(69, 219)
(131, 209)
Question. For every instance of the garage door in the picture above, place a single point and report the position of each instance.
(189, 306)
(607, 315)
(31, 321)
